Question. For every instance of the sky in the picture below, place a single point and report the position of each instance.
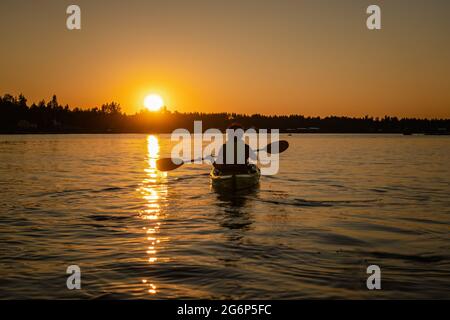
(311, 57)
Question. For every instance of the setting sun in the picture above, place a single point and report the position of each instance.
(153, 102)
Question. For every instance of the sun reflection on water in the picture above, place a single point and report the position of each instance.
(154, 191)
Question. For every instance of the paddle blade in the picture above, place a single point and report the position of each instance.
(167, 164)
(277, 146)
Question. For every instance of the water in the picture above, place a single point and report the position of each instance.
(339, 204)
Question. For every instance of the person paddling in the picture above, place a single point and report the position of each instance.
(234, 155)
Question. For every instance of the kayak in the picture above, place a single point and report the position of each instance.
(235, 181)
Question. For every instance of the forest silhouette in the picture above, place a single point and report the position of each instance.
(16, 116)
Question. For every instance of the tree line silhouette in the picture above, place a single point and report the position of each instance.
(16, 116)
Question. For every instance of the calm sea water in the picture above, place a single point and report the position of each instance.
(339, 204)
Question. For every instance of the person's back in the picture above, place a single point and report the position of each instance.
(234, 155)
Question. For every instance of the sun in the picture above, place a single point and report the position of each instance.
(153, 102)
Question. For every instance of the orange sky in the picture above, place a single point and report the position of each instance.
(271, 57)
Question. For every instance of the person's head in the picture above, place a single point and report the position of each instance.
(235, 130)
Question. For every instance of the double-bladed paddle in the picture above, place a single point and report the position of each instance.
(168, 164)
